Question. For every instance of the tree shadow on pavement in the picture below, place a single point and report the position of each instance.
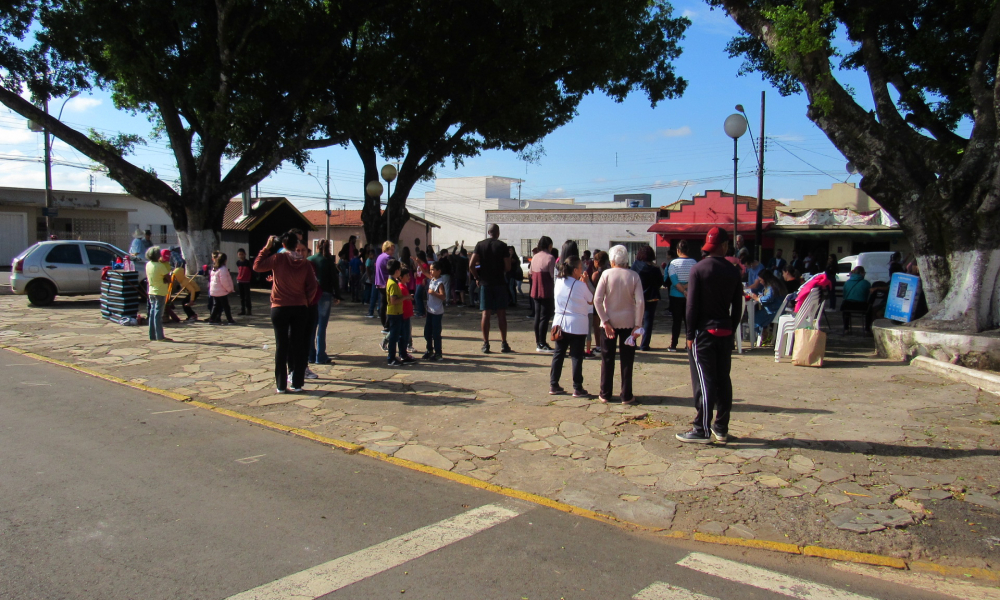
(876, 448)
(738, 406)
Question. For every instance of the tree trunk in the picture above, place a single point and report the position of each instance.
(199, 233)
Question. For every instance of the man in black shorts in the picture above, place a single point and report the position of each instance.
(489, 265)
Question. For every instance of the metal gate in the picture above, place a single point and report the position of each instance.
(13, 235)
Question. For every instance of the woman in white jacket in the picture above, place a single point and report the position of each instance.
(573, 302)
(220, 286)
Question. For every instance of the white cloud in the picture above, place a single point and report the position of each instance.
(678, 132)
(599, 179)
(81, 104)
(15, 136)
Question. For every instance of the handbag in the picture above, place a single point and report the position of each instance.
(557, 331)
(810, 346)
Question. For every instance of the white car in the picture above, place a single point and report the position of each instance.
(65, 268)
(876, 266)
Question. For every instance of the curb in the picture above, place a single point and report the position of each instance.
(984, 381)
(351, 448)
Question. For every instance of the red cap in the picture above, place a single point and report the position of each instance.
(165, 253)
(715, 238)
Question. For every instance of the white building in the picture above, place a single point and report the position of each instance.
(463, 206)
(98, 216)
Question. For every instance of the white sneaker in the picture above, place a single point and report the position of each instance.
(279, 391)
(295, 390)
(310, 374)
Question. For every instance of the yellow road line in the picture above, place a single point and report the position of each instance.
(351, 448)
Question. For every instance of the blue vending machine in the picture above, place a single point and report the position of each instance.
(904, 289)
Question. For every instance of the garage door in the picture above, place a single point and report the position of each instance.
(13, 235)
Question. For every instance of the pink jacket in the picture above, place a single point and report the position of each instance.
(819, 280)
(221, 283)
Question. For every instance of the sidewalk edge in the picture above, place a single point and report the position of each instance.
(351, 448)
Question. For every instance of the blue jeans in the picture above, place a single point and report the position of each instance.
(372, 300)
(317, 345)
(366, 297)
(647, 323)
(397, 335)
(432, 332)
(157, 306)
(418, 300)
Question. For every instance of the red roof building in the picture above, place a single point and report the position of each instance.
(345, 223)
(691, 219)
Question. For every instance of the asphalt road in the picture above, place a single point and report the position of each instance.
(109, 493)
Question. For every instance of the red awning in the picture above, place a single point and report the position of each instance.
(667, 227)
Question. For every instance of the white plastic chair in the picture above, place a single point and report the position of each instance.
(774, 322)
(787, 324)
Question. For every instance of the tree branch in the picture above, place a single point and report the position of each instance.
(922, 116)
(985, 102)
(136, 181)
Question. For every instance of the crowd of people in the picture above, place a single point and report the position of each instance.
(581, 305)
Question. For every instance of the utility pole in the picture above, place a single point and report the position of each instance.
(760, 184)
(48, 171)
(328, 201)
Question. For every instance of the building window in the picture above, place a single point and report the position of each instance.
(582, 245)
(526, 246)
(163, 234)
(632, 247)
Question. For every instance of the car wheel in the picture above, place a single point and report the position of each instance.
(41, 293)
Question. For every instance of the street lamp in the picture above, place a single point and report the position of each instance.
(735, 126)
(759, 230)
(389, 174)
(44, 129)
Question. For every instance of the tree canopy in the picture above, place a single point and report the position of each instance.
(931, 66)
(448, 79)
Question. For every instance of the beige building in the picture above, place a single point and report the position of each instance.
(841, 220)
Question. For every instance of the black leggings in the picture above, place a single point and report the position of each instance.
(544, 309)
(291, 333)
(221, 304)
(678, 311)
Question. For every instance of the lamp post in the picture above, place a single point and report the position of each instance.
(44, 129)
(735, 126)
(759, 231)
(389, 174)
(374, 189)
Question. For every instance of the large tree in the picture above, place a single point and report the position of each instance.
(447, 79)
(929, 151)
(237, 87)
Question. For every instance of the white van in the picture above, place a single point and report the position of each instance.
(876, 266)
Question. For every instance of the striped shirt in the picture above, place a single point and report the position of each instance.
(678, 272)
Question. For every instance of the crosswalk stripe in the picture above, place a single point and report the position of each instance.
(665, 591)
(764, 579)
(352, 568)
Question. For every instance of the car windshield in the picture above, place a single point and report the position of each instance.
(844, 267)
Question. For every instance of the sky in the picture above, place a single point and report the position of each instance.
(673, 151)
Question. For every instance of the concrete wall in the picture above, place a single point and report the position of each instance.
(841, 195)
(340, 234)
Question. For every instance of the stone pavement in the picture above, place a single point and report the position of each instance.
(863, 454)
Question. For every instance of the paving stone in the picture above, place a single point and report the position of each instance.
(385, 447)
(633, 454)
(741, 531)
(910, 482)
(522, 435)
(930, 495)
(910, 505)
(589, 442)
(771, 481)
(852, 520)
(563, 451)
(642, 470)
(712, 527)
(756, 452)
(425, 456)
(772, 463)
(733, 459)
(558, 440)
(658, 514)
(648, 480)
(363, 419)
(321, 412)
(570, 429)
(535, 446)
(810, 485)
(707, 460)
(716, 452)
(480, 474)
(729, 488)
(464, 466)
(480, 451)
(690, 478)
(599, 409)
(941, 479)
(983, 500)
(571, 403)
(830, 475)
(544, 432)
(310, 403)
(790, 493)
(801, 464)
(577, 455)
(276, 399)
(834, 499)
(719, 470)
(454, 456)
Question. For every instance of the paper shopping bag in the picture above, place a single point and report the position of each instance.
(810, 346)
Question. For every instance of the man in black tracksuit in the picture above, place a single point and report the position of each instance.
(714, 299)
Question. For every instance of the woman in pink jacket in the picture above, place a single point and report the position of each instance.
(220, 286)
